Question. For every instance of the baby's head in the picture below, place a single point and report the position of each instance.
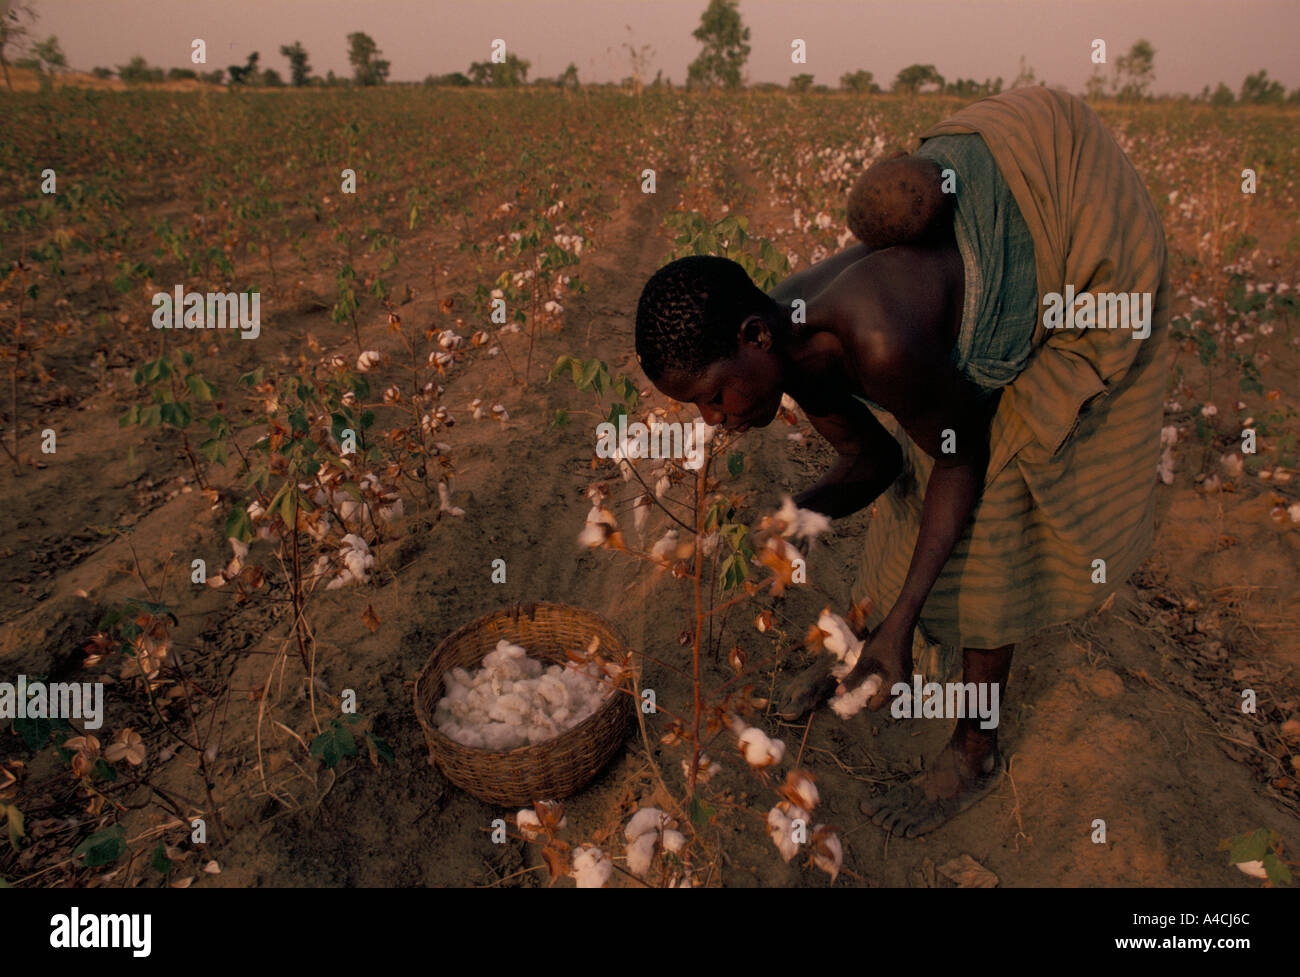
(706, 334)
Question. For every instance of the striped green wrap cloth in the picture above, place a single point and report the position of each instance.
(1076, 434)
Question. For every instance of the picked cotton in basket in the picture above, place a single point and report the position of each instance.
(513, 700)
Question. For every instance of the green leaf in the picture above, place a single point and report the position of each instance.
(15, 819)
(736, 462)
(239, 525)
(334, 744)
(103, 771)
(214, 449)
(1248, 847)
(701, 812)
(1277, 870)
(734, 571)
(199, 387)
(35, 732)
(160, 862)
(587, 373)
(560, 366)
(561, 418)
(382, 749)
(289, 508)
(103, 847)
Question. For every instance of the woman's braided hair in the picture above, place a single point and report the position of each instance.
(689, 314)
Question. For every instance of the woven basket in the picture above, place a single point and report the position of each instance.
(545, 771)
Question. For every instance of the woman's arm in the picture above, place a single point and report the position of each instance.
(869, 459)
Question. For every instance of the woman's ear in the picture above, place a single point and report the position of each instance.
(754, 331)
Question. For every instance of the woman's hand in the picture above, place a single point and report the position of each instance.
(887, 653)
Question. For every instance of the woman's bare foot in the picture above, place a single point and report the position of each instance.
(969, 767)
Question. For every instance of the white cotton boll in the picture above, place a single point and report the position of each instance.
(803, 787)
(646, 820)
(1169, 435)
(662, 486)
(839, 636)
(759, 749)
(591, 867)
(780, 829)
(529, 824)
(509, 708)
(640, 513)
(391, 512)
(370, 358)
(444, 499)
(1165, 467)
(664, 548)
(852, 703)
(497, 736)
(829, 856)
(674, 841)
(641, 853)
(803, 523)
(553, 690)
(1255, 869)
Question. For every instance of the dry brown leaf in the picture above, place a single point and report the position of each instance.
(371, 619)
(968, 873)
(556, 864)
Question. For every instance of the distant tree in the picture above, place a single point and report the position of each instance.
(367, 68)
(1025, 76)
(215, 77)
(801, 83)
(102, 72)
(861, 82)
(1095, 87)
(271, 78)
(915, 76)
(510, 73)
(246, 74)
(457, 79)
(182, 74)
(1136, 70)
(639, 58)
(137, 71)
(725, 52)
(50, 55)
(1222, 95)
(570, 77)
(1260, 89)
(970, 88)
(299, 69)
(15, 27)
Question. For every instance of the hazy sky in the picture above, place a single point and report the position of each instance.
(1197, 42)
